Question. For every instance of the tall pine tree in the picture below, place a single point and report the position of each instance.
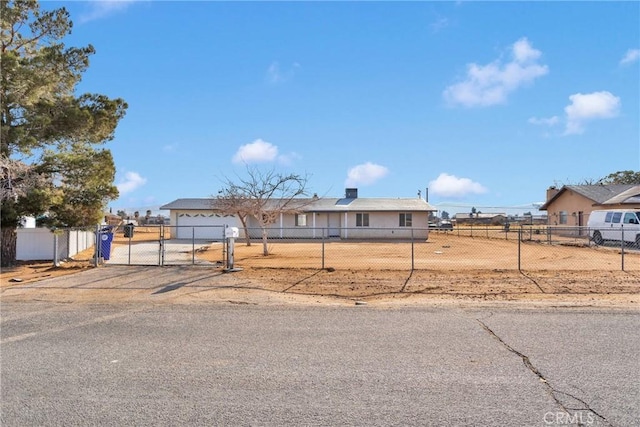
(50, 155)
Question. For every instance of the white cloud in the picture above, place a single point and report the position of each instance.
(258, 151)
(130, 182)
(365, 174)
(631, 56)
(277, 75)
(490, 84)
(103, 8)
(544, 121)
(451, 186)
(590, 106)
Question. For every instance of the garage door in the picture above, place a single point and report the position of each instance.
(203, 225)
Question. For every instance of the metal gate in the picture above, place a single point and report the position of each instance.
(155, 245)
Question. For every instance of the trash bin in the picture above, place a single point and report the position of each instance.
(128, 230)
(106, 237)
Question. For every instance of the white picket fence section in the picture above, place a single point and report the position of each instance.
(39, 243)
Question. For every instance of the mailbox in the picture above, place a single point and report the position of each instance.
(231, 232)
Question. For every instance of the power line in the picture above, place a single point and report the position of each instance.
(454, 205)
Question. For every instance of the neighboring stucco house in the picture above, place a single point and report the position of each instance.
(350, 217)
(572, 204)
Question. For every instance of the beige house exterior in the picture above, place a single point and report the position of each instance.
(350, 217)
(571, 205)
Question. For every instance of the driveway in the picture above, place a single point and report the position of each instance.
(176, 252)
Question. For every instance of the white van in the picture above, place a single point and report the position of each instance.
(610, 225)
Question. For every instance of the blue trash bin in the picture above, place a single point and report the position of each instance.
(106, 237)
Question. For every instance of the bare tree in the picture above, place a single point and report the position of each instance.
(17, 178)
(263, 196)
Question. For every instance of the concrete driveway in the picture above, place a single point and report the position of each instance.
(176, 252)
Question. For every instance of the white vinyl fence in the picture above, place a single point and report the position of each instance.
(42, 244)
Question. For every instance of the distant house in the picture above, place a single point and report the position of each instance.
(111, 219)
(462, 219)
(349, 217)
(571, 205)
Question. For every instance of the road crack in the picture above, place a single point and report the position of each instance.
(557, 395)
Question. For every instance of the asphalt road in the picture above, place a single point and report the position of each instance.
(236, 365)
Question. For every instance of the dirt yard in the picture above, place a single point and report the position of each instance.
(448, 268)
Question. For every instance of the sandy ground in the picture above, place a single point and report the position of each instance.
(449, 269)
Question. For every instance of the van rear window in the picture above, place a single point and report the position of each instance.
(608, 217)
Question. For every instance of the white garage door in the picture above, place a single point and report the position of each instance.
(203, 225)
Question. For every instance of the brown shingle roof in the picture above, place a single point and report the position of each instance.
(599, 193)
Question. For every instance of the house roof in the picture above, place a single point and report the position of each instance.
(189, 204)
(323, 205)
(599, 194)
(478, 215)
(632, 195)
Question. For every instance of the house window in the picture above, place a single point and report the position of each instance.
(563, 217)
(301, 220)
(362, 220)
(405, 220)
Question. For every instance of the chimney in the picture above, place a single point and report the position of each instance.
(351, 193)
(551, 192)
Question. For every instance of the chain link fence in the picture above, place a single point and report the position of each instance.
(160, 245)
(526, 247)
(462, 248)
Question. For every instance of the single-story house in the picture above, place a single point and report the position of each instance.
(571, 205)
(480, 218)
(350, 217)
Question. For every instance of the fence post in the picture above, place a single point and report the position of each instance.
(622, 246)
(160, 247)
(224, 249)
(412, 251)
(323, 248)
(97, 246)
(56, 260)
(519, 250)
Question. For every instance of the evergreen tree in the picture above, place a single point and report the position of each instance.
(49, 134)
(622, 177)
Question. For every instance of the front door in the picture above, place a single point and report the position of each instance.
(333, 220)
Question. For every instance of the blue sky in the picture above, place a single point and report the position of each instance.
(485, 103)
